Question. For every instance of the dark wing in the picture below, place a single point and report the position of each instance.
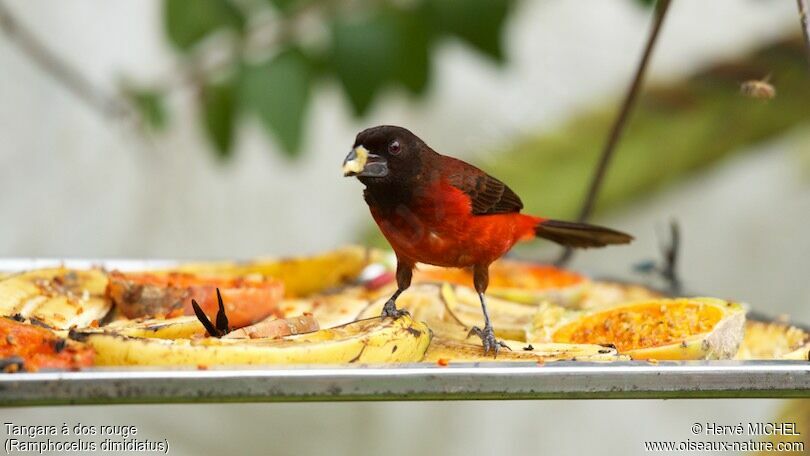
(488, 194)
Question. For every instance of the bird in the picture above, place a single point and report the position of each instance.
(439, 210)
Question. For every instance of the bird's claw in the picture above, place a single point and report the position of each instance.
(488, 339)
(390, 310)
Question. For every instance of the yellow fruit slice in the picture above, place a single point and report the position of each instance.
(663, 329)
(58, 297)
(599, 294)
(425, 302)
(330, 310)
(534, 284)
(509, 319)
(457, 309)
(773, 340)
(302, 276)
(516, 281)
(190, 327)
(368, 341)
(432, 304)
(443, 351)
(184, 327)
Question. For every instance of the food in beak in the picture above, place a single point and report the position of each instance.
(355, 162)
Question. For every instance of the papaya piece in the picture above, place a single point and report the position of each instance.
(662, 329)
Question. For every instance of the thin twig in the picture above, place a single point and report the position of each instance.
(60, 70)
(803, 12)
(619, 124)
(671, 251)
(670, 246)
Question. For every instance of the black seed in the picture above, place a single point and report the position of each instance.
(59, 345)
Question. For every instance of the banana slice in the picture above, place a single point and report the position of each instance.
(451, 311)
(425, 303)
(366, 341)
(511, 320)
(184, 327)
(187, 327)
(58, 297)
(448, 350)
(330, 310)
(516, 281)
(301, 276)
(773, 340)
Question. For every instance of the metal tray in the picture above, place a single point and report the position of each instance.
(420, 381)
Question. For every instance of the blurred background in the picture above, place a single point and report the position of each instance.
(216, 129)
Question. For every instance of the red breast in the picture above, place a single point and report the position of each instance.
(437, 227)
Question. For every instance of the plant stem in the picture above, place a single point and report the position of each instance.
(619, 124)
(61, 71)
(803, 12)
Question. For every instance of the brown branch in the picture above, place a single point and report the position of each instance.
(619, 124)
(61, 71)
(803, 12)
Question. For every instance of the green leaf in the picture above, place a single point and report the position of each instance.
(384, 47)
(187, 22)
(646, 3)
(413, 63)
(480, 23)
(219, 114)
(150, 107)
(363, 55)
(279, 91)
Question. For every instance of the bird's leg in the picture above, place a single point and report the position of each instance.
(404, 274)
(487, 334)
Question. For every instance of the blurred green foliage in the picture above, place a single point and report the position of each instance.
(188, 22)
(150, 106)
(368, 46)
(278, 91)
(219, 104)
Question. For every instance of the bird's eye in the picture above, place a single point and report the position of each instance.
(394, 148)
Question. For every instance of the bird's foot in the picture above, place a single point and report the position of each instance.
(488, 339)
(390, 310)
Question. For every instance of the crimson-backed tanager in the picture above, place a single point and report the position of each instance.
(439, 210)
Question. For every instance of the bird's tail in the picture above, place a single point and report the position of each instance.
(581, 235)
